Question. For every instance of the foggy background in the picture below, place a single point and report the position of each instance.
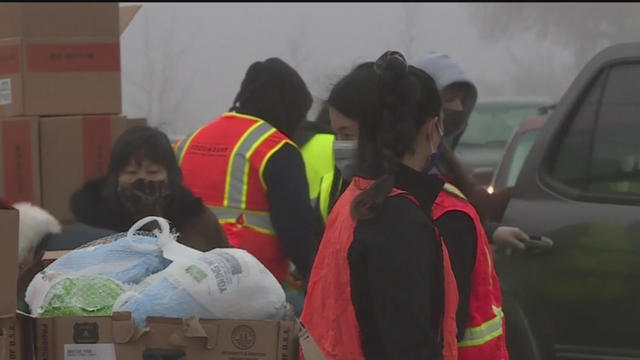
(182, 64)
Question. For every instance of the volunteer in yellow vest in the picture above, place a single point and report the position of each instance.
(317, 144)
(251, 175)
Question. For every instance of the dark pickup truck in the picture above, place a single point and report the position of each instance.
(580, 187)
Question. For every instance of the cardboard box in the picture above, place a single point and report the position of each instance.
(9, 332)
(73, 150)
(116, 337)
(20, 159)
(14, 345)
(61, 58)
(137, 122)
(9, 261)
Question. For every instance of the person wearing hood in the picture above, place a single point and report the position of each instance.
(462, 230)
(382, 285)
(143, 179)
(481, 324)
(459, 96)
(250, 173)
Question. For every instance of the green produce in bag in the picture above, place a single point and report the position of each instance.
(82, 296)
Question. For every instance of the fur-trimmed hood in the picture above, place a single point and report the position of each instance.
(91, 206)
(35, 224)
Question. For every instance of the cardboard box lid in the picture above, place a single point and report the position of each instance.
(127, 13)
(9, 261)
(59, 19)
(65, 19)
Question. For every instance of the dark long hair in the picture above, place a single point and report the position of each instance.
(406, 98)
(355, 94)
(144, 142)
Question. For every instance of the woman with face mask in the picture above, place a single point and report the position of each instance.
(456, 218)
(143, 179)
(381, 286)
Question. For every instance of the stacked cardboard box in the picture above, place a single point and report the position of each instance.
(60, 98)
(60, 101)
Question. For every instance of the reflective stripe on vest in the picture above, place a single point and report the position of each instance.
(236, 188)
(328, 313)
(258, 220)
(483, 333)
(184, 145)
(454, 190)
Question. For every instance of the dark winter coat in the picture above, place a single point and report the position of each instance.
(198, 226)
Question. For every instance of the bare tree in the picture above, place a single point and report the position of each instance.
(410, 20)
(164, 94)
(299, 53)
(579, 29)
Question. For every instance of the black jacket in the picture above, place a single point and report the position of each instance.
(395, 264)
(198, 226)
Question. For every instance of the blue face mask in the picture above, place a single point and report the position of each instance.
(434, 157)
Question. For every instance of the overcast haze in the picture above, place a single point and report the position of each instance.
(182, 63)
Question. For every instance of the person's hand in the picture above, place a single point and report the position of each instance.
(510, 238)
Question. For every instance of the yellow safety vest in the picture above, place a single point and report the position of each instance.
(324, 182)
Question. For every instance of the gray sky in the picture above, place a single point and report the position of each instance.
(182, 63)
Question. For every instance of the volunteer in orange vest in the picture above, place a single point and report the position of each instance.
(251, 175)
(480, 326)
(382, 286)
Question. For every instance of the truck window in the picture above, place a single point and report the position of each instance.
(600, 152)
(615, 166)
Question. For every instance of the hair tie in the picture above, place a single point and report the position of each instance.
(391, 65)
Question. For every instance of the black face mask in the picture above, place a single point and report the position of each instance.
(454, 123)
(144, 198)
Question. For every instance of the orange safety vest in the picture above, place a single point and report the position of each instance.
(484, 337)
(328, 312)
(223, 163)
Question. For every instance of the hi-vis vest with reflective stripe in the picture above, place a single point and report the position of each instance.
(325, 183)
(328, 312)
(484, 336)
(223, 163)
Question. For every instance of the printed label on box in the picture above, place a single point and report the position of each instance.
(5, 92)
(89, 352)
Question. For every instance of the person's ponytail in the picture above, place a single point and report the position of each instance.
(392, 70)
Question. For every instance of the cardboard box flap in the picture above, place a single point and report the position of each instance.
(310, 348)
(127, 13)
(124, 329)
(192, 329)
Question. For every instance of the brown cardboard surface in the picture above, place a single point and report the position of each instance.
(60, 76)
(59, 19)
(8, 261)
(53, 335)
(20, 159)
(67, 59)
(137, 122)
(198, 340)
(13, 342)
(206, 339)
(74, 149)
(127, 13)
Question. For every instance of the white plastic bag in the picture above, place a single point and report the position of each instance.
(127, 261)
(222, 283)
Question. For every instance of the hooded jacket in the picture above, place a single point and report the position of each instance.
(446, 72)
